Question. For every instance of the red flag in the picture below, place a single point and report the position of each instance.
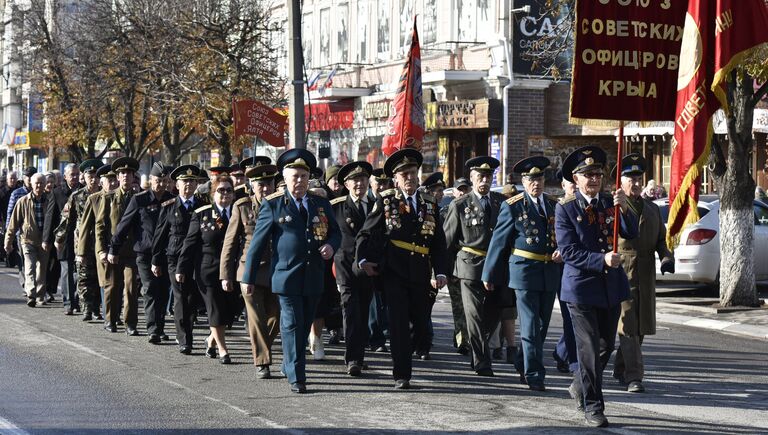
(718, 35)
(257, 119)
(405, 127)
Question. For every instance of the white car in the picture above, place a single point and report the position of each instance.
(697, 257)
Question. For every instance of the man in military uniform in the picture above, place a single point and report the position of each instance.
(335, 187)
(565, 350)
(638, 314)
(380, 182)
(172, 227)
(460, 334)
(377, 313)
(121, 280)
(262, 305)
(138, 223)
(594, 283)
(526, 227)
(403, 243)
(67, 233)
(286, 219)
(204, 188)
(65, 256)
(469, 224)
(239, 180)
(355, 287)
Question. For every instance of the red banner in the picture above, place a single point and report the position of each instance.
(625, 60)
(719, 34)
(405, 128)
(256, 119)
(338, 115)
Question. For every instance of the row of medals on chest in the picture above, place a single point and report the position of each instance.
(393, 212)
(603, 219)
(532, 234)
(319, 223)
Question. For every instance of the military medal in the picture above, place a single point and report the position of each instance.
(474, 221)
(288, 218)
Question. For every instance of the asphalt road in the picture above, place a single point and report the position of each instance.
(60, 375)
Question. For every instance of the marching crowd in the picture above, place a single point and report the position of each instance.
(355, 250)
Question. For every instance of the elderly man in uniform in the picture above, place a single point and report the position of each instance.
(377, 312)
(565, 350)
(469, 226)
(638, 314)
(261, 304)
(379, 181)
(304, 234)
(403, 243)
(524, 243)
(355, 286)
(67, 233)
(460, 334)
(121, 280)
(138, 223)
(172, 226)
(594, 284)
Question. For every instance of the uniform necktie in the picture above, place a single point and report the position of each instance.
(303, 211)
(411, 205)
(361, 207)
(539, 208)
(486, 204)
(187, 204)
(224, 214)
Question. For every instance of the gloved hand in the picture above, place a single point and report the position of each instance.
(667, 266)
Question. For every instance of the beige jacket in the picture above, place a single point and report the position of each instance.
(23, 219)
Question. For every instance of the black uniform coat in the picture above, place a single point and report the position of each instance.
(58, 200)
(140, 219)
(350, 221)
(172, 227)
(205, 236)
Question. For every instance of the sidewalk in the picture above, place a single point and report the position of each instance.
(752, 323)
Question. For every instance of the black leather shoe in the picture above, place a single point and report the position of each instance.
(462, 350)
(334, 337)
(381, 349)
(298, 388)
(131, 331)
(262, 372)
(537, 387)
(119, 322)
(225, 359)
(596, 419)
(87, 317)
(485, 372)
(353, 369)
(562, 366)
(99, 316)
(186, 350)
(636, 387)
(575, 393)
(31, 303)
(402, 384)
(424, 356)
(165, 337)
(69, 312)
(210, 352)
(154, 339)
(111, 327)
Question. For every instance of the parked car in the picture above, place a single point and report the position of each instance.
(697, 257)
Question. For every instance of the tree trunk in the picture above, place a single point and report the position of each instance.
(736, 186)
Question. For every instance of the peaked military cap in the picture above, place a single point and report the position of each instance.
(125, 164)
(255, 161)
(186, 172)
(160, 170)
(331, 172)
(379, 175)
(401, 160)
(631, 164)
(481, 163)
(435, 179)
(218, 170)
(354, 169)
(91, 165)
(30, 171)
(533, 166)
(236, 168)
(461, 182)
(296, 158)
(583, 159)
(261, 172)
(105, 171)
(315, 174)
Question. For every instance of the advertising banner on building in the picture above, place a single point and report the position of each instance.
(626, 60)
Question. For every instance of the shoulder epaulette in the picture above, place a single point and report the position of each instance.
(143, 192)
(168, 202)
(428, 197)
(566, 199)
(335, 201)
(388, 192)
(515, 198)
(243, 200)
(272, 196)
(550, 198)
(203, 208)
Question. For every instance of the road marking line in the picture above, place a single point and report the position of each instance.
(8, 428)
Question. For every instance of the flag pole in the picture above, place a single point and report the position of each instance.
(617, 210)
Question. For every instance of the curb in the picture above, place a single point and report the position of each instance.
(751, 331)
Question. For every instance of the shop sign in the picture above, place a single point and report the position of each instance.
(452, 115)
(377, 109)
(330, 116)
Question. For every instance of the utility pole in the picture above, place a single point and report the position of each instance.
(296, 62)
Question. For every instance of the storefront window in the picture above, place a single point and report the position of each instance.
(429, 22)
(342, 33)
(382, 51)
(306, 40)
(362, 31)
(325, 36)
(406, 24)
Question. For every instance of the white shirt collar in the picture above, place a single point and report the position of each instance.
(183, 200)
(364, 198)
(587, 197)
(221, 211)
(479, 196)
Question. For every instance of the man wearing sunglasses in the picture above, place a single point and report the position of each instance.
(594, 284)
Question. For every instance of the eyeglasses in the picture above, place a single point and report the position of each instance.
(596, 175)
(224, 190)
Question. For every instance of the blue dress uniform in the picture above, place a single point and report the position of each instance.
(408, 244)
(592, 290)
(354, 285)
(524, 241)
(297, 267)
